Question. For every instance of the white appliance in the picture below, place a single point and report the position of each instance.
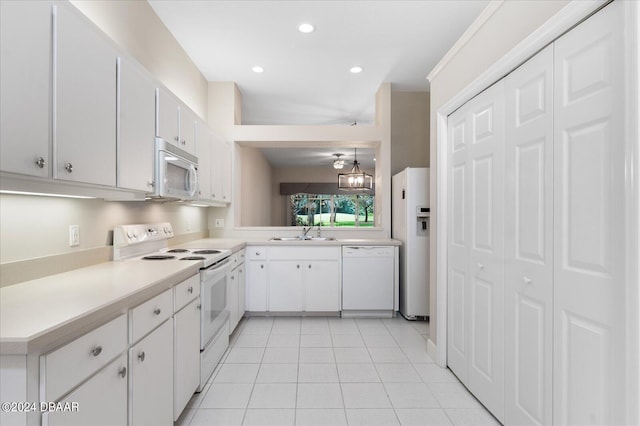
(368, 285)
(176, 172)
(148, 242)
(410, 215)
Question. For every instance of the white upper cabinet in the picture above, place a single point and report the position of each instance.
(136, 115)
(167, 117)
(187, 130)
(203, 152)
(25, 110)
(175, 122)
(221, 170)
(85, 102)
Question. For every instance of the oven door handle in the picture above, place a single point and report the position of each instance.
(217, 269)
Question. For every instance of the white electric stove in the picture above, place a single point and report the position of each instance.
(149, 243)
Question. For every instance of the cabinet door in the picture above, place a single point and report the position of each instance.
(590, 347)
(227, 170)
(322, 286)
(528, 241)
(102, 400)
(257, 286)
(85, 140)
(285, 285)
(216, 168)
(242, 303)
(232, 299)
(203, 152)
(186, 372)
(136, 128)
(187, 130)
(25, 76)
(151, 378)
(167, 117)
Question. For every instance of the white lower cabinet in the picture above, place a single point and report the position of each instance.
(294, 279)
(151, 378)
(236, 291)
(186, 366)
(101, 400)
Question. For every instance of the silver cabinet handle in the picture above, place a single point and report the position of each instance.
(480, 266)
(40, 162)
(96, 351)
(157, 311)
(257, 253)
(309, 266)
(199, 307)
(177, 139)
(298, 266)
(68, 167)
(527, 280)
(233, 278)
(190, 290)
(123, 372)
(141, 356)
(183, 142)
(261, 266)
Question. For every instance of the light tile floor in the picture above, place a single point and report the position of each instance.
(332, 371)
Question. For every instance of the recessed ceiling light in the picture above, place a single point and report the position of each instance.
(356, 69)
(257, 69)
(306, 28)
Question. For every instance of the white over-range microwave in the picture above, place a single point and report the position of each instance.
(176, 172)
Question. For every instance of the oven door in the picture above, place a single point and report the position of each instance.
(214, 313)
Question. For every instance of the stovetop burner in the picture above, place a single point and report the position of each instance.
(207, 252)
(178, 251)
(193, 258)
(158, 257)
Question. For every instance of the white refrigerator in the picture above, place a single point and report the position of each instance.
(410, 224)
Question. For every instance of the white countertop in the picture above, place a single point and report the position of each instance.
(37, 315)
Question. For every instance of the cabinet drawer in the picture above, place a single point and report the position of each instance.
(257, 253)
(300, 253)
(186, 291)
(67, 366)
(149, 315)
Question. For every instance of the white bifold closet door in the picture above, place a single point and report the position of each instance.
(476, 258)
(528, 242)
(589, 220)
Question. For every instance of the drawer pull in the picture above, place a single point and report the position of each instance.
(261, 266)
(480, 266)
(309, 266)
(40, 162)
(527, 280)
(68, 167)
(257, 253)
(190, 289)
(199, 307)
(141, 356)
(157, 311)
(298, 266)
(123, 372)
(96, 351)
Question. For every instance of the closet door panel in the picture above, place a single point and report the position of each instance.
(589, 279)
(458, 299)
(528, 242)
(486, 265)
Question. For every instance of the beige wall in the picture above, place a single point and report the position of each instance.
(135, 27)
(256, 187)
(512, 22)
(409, 130)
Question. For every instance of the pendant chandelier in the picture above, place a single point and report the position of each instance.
(355, 180)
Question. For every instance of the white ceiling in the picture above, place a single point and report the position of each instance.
(306, 78)
(319, 157)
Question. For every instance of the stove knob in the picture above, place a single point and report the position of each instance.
(135, 233)
(130, 234)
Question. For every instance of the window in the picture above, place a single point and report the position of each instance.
(331, 210)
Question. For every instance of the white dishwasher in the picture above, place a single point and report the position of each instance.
(368, 280)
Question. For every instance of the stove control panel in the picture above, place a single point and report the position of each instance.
(134, 234)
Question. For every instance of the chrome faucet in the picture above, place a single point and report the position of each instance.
(305, 231)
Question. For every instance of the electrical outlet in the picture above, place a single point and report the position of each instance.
(74, 235)
(219, 223)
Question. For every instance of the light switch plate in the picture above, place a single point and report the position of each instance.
(219, 223)
(74, 235)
